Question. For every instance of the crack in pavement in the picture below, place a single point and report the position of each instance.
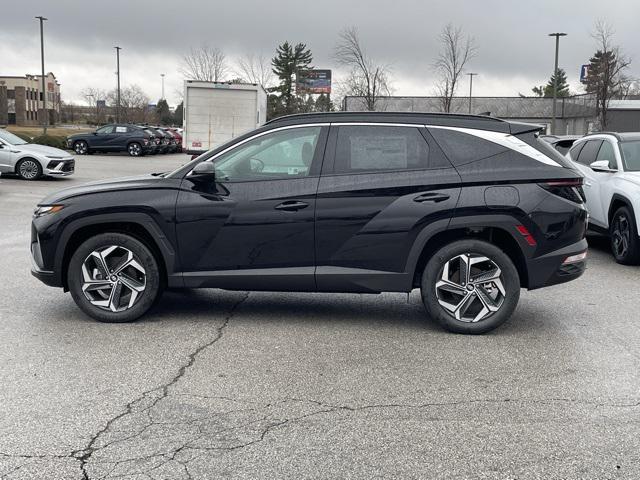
(84, 455)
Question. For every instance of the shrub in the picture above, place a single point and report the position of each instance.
(58, 141)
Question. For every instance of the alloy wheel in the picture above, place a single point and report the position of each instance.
(29, 169)
(621, 236)
(80, 148)
(112, 278)
(470, 287)
(135, 150)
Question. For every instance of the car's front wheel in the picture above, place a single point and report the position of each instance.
(625, 243)
(29, 169)
(114, 278)
(470, 286)
(81, 147)
(134, 149)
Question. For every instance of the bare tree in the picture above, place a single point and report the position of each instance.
(457, 50)
(204, 63)
(366, 78)
(91, 96)
(256, 69)
(606, 78)
(134, 104)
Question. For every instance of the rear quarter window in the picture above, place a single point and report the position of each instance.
(463, 148)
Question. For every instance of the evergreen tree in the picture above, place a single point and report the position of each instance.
(163, 113)
(324, 104)
(547, 90)
(287, 63)
(177, 114)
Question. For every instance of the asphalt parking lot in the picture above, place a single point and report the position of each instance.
(216, 384)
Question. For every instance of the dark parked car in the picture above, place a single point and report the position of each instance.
(469, 209)
(112, 138)
(562, 143)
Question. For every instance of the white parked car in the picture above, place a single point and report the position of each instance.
(610, 163)
(31, 161)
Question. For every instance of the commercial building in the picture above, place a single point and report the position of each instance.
(575, 115)
(21, 99)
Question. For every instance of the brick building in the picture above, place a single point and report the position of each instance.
(21, 99)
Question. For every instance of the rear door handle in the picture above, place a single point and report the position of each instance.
(587, 184)
(434, 197)
(291, 205)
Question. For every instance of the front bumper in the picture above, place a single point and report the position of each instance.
(550, 270)
(61, 168)
(45, 276)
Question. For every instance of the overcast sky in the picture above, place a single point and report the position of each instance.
(514, 51)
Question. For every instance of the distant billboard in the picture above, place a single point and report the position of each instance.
(584, 73)
(314, 81)
(101, 103)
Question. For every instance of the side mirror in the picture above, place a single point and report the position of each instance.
(203, 172)
(95, 133)
(602, 166)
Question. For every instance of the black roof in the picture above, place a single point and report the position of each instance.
(481, 122)
(620, 136)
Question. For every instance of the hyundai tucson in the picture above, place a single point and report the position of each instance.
(468, 209)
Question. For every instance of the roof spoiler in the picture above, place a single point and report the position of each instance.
(518, 128)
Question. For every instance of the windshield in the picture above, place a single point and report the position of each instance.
(631, 155)
(11, 139)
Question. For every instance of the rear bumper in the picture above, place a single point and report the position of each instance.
(550, 269)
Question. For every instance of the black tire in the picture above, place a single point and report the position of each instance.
(509, 278)
(81, 147)
(29, 169)
(152, 288)
(135, 149)
(623, 234)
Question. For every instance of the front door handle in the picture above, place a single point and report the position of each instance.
(434, 197)
(291, 205)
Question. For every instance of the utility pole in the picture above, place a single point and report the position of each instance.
(45, 113)
(162, 75)
(555, 81)
(471, 75)
(118, 91)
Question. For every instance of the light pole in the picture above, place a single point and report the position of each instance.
(162, 75)
(45, 113)
(118, 90)
(471, 75)
(555, 81)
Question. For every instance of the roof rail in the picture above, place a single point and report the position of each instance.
(349, 114)
(615, 134)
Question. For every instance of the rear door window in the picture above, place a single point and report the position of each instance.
(589, 151)
(574, 152)
(372, 148)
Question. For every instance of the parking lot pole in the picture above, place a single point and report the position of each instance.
(555, 81)
(45, 116)
(471, 75)
(118, 89)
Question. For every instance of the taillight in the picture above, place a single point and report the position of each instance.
(569, 189)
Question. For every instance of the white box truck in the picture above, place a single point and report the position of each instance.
(216, 112)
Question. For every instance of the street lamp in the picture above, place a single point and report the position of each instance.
(555, 80)
(118, 91)
(471, 75)
(162, 75)
(45, 113)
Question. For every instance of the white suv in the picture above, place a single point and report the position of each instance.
(610, 163)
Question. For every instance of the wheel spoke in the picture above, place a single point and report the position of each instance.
(464, 305)
(132, 283)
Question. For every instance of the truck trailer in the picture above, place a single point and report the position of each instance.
(216, 112)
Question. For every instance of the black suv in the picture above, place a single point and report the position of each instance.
(112, 138)
(469, 209)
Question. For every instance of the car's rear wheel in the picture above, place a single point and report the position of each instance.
(29, 169)
(623, 232)
(114, 278)
(134, 149)
(81, 147)
(470, 286)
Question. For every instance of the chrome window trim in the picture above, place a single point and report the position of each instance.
(258, 135)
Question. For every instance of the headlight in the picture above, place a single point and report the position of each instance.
(43, 210)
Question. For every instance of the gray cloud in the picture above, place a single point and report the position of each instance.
(514, 50)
